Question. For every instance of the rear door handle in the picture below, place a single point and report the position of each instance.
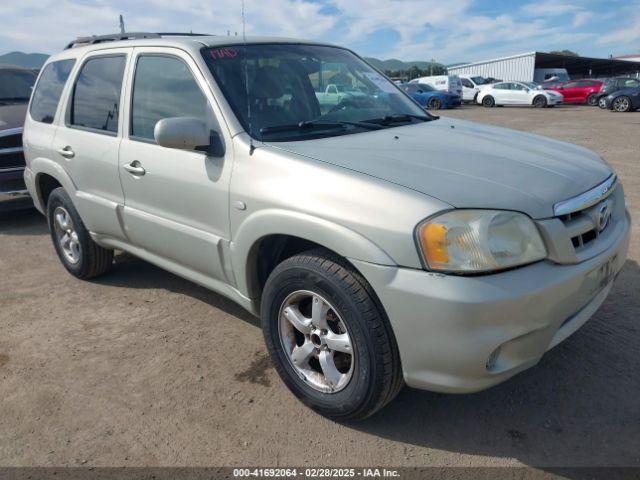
(67, 152)
(134, 168)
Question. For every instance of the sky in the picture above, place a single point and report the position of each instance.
(448, 31)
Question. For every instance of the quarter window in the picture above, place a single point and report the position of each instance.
(96, 94)
(163, 88)
(49, 89)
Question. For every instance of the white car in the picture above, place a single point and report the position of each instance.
(518, 93)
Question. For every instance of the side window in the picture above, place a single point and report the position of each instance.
(516, 86)
(502, 86)
(571, 85)
(163, 88)
(467, 83)
(628, 83)
(49, 89)
(96, 94)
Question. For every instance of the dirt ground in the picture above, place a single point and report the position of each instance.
(142, 368)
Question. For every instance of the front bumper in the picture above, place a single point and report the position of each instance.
(13, 192)
(462, 334)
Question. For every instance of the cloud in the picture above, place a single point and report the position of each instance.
(407, 29)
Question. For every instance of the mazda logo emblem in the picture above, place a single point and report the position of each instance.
(604, 215)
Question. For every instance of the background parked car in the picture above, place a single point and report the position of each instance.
(624, 100)
(518, 93)
(429, 97)
(444, 83)
(579, 91)
(612, 85)
(542, 75)
(15, 89)
(471, 85)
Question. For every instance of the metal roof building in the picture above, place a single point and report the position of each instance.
(521, 67)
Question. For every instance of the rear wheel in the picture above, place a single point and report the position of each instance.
(488, 101)
(434, 104)
(622, 104)
(329, 337)
(540, 101)
(592, 100)
(79, 254)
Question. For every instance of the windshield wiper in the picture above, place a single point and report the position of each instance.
(14, 99)
(319, 123)
(401, 118)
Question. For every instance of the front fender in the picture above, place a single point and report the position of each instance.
(263, 223)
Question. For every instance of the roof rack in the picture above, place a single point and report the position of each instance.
(115, 37)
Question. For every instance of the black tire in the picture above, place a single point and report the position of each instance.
(622, 104)
(376, 377)
(602, 103)
(540, 101)
(592, 100)
(93, 260)
(488, 101)
(434, 104)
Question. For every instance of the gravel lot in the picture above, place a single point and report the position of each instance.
(142, 368)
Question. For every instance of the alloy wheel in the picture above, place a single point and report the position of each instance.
(316, 341)
(622, 104)
(66, 235)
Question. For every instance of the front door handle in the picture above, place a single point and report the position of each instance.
(67, 152)
(134, 168)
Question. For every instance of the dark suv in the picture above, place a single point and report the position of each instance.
(15, 89)
(613, 85)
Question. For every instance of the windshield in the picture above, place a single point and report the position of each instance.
(298, 92)
(532, 85)
(15, 85)
(478, 80)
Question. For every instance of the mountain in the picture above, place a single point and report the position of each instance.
(27, 60)
(394, 64)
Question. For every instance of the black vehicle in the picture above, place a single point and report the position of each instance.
(15, 89)
(612, 85)
(625, 100)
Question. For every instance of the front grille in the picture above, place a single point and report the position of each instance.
(11, 159)
(11, 141)
(581, 227)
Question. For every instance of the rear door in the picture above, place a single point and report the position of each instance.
(176, 201)
(87, 142)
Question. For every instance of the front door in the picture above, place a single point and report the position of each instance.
(176, 201)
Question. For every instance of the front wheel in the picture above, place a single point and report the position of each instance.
(602, 103)
(79, 254)
(592, 100)
(329, 337)
(540, 101)
(488, 101)
(622, 104)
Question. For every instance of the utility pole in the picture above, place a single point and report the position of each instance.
(431, 67)
(121, 24)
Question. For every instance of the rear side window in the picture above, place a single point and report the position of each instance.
(163, 88)
(96, 94)
(49, 89)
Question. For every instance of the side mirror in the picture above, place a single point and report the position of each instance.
(188, 133)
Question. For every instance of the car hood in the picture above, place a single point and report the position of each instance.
(465, 164)
(12, 115)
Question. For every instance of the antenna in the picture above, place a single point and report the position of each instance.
(246, 80)
(121, 24)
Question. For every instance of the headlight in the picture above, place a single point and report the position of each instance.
(479, 241)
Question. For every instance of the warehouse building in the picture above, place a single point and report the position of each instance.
(522, 67)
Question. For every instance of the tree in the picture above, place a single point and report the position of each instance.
(568, 53)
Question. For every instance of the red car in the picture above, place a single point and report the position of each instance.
(579, 91)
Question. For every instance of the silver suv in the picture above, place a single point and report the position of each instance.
(380, 245)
